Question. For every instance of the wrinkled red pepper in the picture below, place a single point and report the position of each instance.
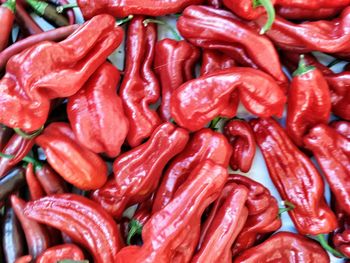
(96, 113)
(342, 127)
(7, 17)
(61, 252)
(341, 236)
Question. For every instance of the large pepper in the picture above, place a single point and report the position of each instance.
(342, 127)
(83, 220)
(140, 87)
(171, 235)
(61, 253)
(138, 171)
(218, 29)
(199, 101)
(204, 145)
(7, 18)
(295, 177)
(51, 70)
(284, 247)
(76, 164)
(332, 152)
(96, 113)
(174, 64)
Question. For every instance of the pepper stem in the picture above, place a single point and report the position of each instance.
(160, 22)
(61, 8)
(214, 123)
(26, 135)
(10, 4)
(26, 159)
(124, 20)
(288, 206)
(38, 6)
(321, 239)
(303, 68)
(135, 228)
(271, 14)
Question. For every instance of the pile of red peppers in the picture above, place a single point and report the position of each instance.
(153, 162)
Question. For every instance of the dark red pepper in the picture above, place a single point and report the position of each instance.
(5, 135)
(50, 181)
(341, 236)
(7, 17)
(298, 13)
(60, 253)
(11, 182)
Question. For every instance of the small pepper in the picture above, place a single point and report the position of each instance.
(342, 127)
(11, 182)
(62, 252)
(7, 17)
(35, 189)
(50, 181)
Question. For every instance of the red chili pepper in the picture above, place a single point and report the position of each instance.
(96, 113)
(62, 252)
(297, 13)
(214, 3)
(342, 127)
(241, 137)
(140, 87)
(138, 171)
(7, 17)
(197, 102)
(76, 164)
(24, 259)
(313, 4)
(51, 70)
(174, 64)
(173, 232)
(35, 189)
(83, 220)
(284, 247)
(204, 145)
(25, 21)
(51, 182)
(341, 236)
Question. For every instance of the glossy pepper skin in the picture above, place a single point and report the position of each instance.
(245, 8)
(284, 247)
(241, 137)
(228, 222)
(140, 87)
(171, 235)
(138, 171)
(203, 145)
(96, 113)
(61, 252)
(210, 28)
(35, 189)
(341, 236)
(313, 4)
(297, 13)
(295, 177)
(7, 17)
(83, 220)
(342, 127)
(174, 64)
(76, 164)
(51, 70)
(332, 152)
(198, 101)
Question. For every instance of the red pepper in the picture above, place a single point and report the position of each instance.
(214, 3)
(341, 236)
(140, 87)
(172, 233)
(76, 164)
(50, 181)
(24, 259)
(342, 127)
(204, 145)
(7, 17)
(223, 230)
(52, 70)
(11, 182)
(35, 189)
(332, 152)
(96, 113)
(241, 137)
(210, 28)
(197, 102)
(83, 220)
(313, 4)
(25, 21)
(138, 171)
(5, 135)
(62, 252)
(174, 64)
(295, 177)
(298, 13)
(284, 247)
(309, 102)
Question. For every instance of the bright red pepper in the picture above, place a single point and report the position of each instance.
(174, 64)
(50, 70)
(35, 189)
(96, 113)
(342, 127)
(7, 17)
(62, 252)
(297, 13)
(295, 177)
(199, 101)
(76, 164)
(138, 171)
(171, 235)
(313, 4)
(140, 87)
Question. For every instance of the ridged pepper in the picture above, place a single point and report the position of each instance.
(199, 101)
(96, 113)
(140, 87)
(332, 152)
(171, 235)
(51, 70)
(174, 63)
(241, 137)
(309, 102)
(138, 171)
(35, 189)
(284, 247)
(342, 127)
(295, 177)
(83, 220)
(225, 227)
(7, 17)
(76, 164)
(297, 13)
(341, 236)
(210, 28)
(203, 145)
(61, 252)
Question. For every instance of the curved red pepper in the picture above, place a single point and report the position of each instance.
(295, 177)
(342, 127)
(24, 259)
(7, 17)
(50, 70)
(96, 113)
(298, 13)
(62, 252)
(172, 233)
(76, 164)
(50, 181)
(140, 87)
(199, 101)
(138, 171)
(241, 137)
(83, 220)
(35, 189)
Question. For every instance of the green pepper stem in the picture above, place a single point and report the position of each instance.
(321, 239)
(288, 206)
(10, 4)
(61, 8)
(271, 14)
(38, 6)
(173, 31)
(303, 68)
(26, 135)
(26, 159)
(135, 228)
(124, 20)
(214, 123)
